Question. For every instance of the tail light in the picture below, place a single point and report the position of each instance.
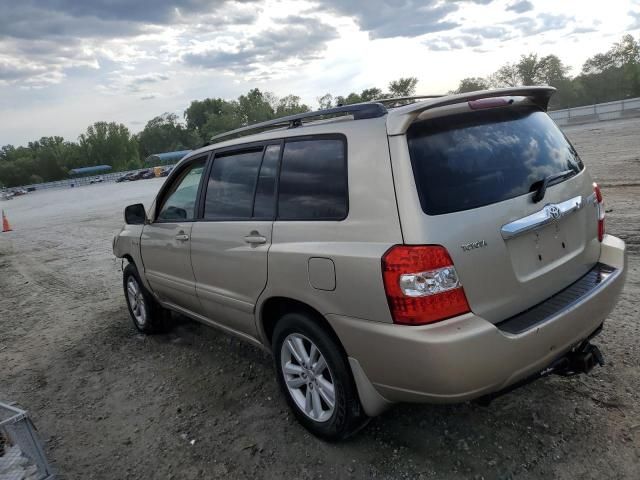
(422, 285)
(491, 102)
(600, 205)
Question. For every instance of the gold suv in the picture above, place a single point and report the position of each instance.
(417, 249)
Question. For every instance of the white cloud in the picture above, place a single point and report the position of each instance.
(67, 63)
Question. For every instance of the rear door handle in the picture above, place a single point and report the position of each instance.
(182, 237)
(254, 238)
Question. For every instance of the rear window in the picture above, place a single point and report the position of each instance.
(478, 158)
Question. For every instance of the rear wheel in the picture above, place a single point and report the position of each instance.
(147, 314)
(314, 375)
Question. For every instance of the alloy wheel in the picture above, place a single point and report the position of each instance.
(136, 302)
(308, 377)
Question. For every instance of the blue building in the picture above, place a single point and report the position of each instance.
(84, 171)
(167, 158)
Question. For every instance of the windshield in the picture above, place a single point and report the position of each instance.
(478, 158)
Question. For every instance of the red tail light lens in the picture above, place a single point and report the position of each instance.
(600, 210)
(422, 285)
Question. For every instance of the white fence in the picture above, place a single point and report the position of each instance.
(629, 107)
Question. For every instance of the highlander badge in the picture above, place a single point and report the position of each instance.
(474, 245)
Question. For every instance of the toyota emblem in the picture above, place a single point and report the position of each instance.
(554, 212)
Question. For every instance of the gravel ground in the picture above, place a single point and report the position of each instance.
(196, 403)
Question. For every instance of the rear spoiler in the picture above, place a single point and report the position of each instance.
(400, 118)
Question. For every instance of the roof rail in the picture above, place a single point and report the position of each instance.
(359, 111)
(400, 118)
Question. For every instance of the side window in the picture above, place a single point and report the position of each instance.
(231, 185)
(180, 200)
(313, 180)
(264, 204)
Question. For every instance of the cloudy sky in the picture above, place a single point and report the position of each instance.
(65, 64)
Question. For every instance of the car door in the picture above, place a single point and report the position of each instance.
(165, 242)
(229, 244)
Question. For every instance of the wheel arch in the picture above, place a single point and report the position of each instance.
(273, 308)
(129, 259)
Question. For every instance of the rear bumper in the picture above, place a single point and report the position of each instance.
(468, 357)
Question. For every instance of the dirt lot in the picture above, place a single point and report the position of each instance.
(196, 403)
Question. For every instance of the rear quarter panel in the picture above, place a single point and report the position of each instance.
(355, 244)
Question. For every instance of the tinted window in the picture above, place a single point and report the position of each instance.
(180, 200)
(474, 159)
(313, 180)
(264, 205)
(231, 185)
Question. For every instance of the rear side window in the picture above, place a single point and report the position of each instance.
(313, 180)
(231, 185)
(478, 158)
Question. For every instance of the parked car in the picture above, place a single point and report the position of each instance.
(96, 180)
(440, 251)
(148, 174)
(166, 171)
(129, 176)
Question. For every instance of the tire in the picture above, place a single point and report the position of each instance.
(147, 314)
(307, 384)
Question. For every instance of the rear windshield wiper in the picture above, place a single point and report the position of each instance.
(548, 181)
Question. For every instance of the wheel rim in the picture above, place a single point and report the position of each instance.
(308, 377)
(136, 302)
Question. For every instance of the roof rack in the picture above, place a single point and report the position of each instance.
(359, 111)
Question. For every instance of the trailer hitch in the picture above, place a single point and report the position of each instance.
(581, 359)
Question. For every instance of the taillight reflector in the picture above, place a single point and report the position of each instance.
(422, 285)
(600, 211)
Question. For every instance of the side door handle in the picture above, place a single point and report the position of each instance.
(254, 238)
(182, 237)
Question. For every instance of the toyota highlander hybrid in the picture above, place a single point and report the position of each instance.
(434, 249)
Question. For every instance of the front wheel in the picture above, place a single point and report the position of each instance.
(314, 375)
(147, 314)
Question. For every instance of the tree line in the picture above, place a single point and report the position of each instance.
(605, 77)
(612, 75)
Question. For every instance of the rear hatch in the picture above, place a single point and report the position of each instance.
(476, 174)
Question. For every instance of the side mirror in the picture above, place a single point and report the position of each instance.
(135, 214)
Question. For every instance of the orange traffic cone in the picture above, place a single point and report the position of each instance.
(5, 223)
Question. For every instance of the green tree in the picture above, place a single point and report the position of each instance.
(613, 74)
(255, 107)
(325, 101)
(223, 120)
(548, 70)
(370, 94)
(289, 105)
(108, 144)
(403, 87)
(471, 84)
(349, 99)
(198, 112)
(165, 133)
(505, 76)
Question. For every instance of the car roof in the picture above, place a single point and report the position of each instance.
(398, 113)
